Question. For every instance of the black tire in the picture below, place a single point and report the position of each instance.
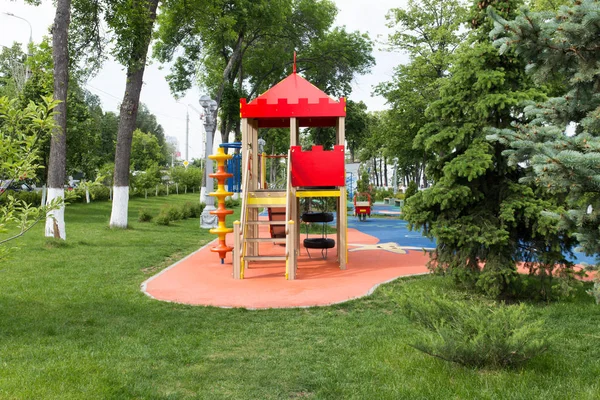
(317, 217)
(319, 243)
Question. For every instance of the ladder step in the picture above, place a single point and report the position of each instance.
(265, 222)
(265, 240)
(265, 258)
(266, 203)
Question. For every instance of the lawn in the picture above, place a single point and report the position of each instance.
(74, 325)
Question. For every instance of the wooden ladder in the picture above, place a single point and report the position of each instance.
(247, 233)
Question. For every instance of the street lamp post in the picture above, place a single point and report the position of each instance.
(29, 46)
(207, 220)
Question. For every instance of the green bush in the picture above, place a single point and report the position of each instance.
(197, 210)
(34, 197)
(174, 213)
(411, 190)
(474, 334)
(231, 203)
(144, 216)
(162, 219)
(186, 210)
(595, 290)
(382, 193)
(100, 193)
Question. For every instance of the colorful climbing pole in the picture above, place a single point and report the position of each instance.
(221, 212)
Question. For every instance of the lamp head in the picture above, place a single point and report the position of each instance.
(205, 101)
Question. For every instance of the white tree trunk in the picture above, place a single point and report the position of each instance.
(55, 220)
(44, 190)
(118, 216)
(87, 196)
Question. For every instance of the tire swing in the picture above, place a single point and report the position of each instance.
(323, 243)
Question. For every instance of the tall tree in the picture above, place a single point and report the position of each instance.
(241, 44)
(483, 219)
(132, 22)
(562, 164)
(356, 125)
(55, 223)
(429, 32)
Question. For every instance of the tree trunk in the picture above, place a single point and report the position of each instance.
(55, 220)
(381, 171)
(385, 173)
(425, 165)
(375, 171)
(127, 117)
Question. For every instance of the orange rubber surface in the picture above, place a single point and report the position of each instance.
(201, 279)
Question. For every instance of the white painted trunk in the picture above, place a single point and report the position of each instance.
(118, 216)
(44, 190)
(55, 220)
(236, 196)
(177, 188)
(87, 196)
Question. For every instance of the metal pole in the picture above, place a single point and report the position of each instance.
(187, 134)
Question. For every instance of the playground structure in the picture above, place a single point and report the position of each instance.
(362, 209)
(292, 103)
(234, 167)
(221, 212)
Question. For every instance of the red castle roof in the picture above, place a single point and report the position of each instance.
(294, 97)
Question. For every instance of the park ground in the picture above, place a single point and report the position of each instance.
(74, 324)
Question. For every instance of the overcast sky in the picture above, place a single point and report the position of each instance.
(109, 84)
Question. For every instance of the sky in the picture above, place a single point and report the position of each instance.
(109, 83)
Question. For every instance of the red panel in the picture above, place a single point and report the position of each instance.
(318, 167)
(321, 122)
(324, 107)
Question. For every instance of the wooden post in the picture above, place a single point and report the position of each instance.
(292, 258)
(254, 184)
(342, 216)
(236, 255)
(343, 230)
(340, 132)
(245, 143)
(293, 132)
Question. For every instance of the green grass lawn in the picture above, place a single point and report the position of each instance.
(74, 325)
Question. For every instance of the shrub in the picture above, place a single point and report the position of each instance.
(474, 334)
(100, 192)
(174, 213)
(231, 203)
(411, 190)
(144, 216)
(186, 210)
(34, 197)
(197, 210)
(382, 193)
(162, 219)
(595, 290)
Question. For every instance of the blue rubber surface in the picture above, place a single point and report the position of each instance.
(395, 230)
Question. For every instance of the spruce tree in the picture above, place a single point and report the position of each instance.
(483, 219)
(563, 160)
